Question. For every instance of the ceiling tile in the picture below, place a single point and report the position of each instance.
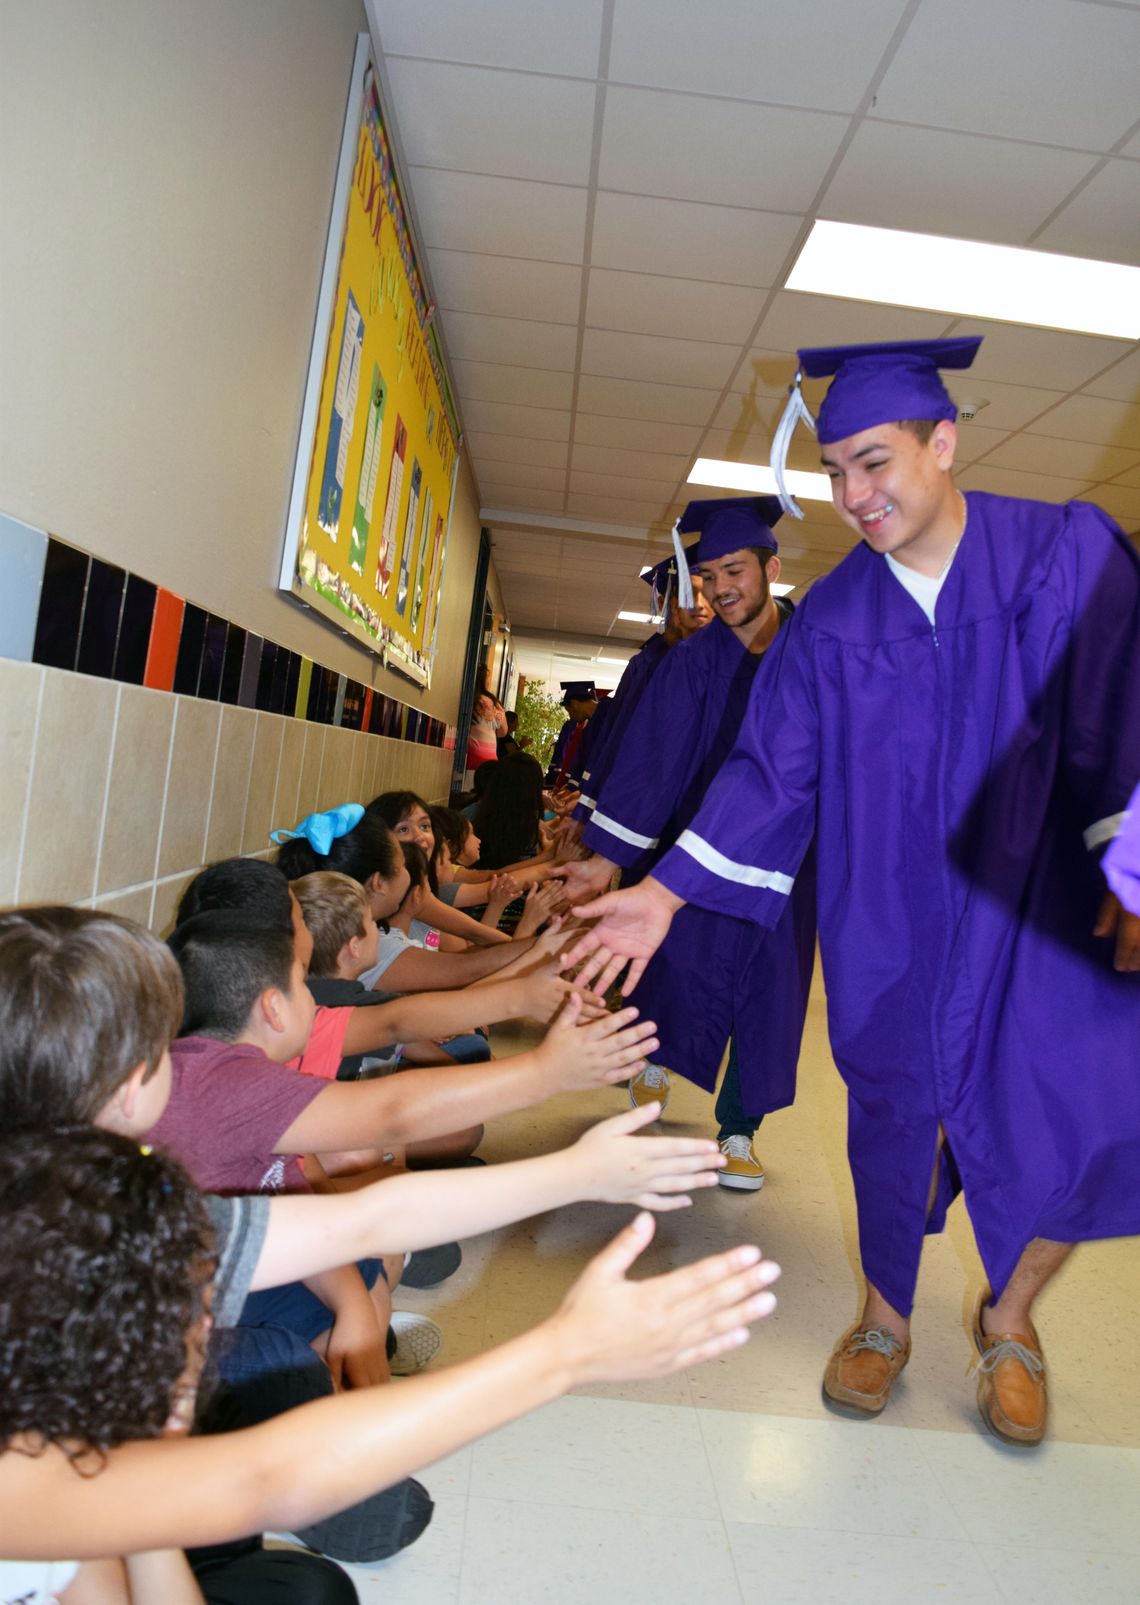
(724, 151)
(1105, 423)
(1103, 220)
(754, 445)
(975, 440)
(647, 235)
(542, 127)
(630, 487)
(1120, 502)
(658, 466)
(504, 216)
(515, 448)
(651, 304)
(1009, 406)
(521, 474)
(524, 387)
(635, 434)
(479, 338)
(927, 180)
(1074, 81)
(613, 510)
(811, 53)
(534, 423)
(657, 359)
(1121, 382)
(1130, 480)
(496, 494)
(538, 35)
(795, 320)
(631, 398)
(766, 373)
(505, 286)
(1075, 459)
(1022, 354)
(1008, 482)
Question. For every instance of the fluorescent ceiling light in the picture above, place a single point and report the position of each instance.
(758, 478)
(780, 589)
(971, 278)
(639, 618)
(621, 663)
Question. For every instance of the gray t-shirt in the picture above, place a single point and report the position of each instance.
(240, 1225)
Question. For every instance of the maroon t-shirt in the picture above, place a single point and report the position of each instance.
(229, 1107)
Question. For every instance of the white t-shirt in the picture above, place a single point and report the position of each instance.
(34, 1582)
(923, 587)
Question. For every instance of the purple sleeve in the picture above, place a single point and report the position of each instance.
(741, 853)
(1102, 730)
(651, 767)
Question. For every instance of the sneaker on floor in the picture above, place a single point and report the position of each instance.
(864, 1367)
(744, 1170)
(418, 1341)
(428, 1267)
(650, 1085)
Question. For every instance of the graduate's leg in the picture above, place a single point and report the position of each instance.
(736, 1130)
(1037, 1266)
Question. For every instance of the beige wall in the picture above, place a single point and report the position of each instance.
(114, 796)
(165, 193)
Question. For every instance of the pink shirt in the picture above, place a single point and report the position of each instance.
(325, 1047)
(229, 1107)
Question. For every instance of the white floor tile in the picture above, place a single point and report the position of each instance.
(854, 1477)
(604, 1454)
(816, 1568)
(1063, 1576)
(516, 1553)
(1072, 1496)
(427, 1573)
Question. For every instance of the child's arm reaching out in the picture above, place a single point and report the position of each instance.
(160, 1493)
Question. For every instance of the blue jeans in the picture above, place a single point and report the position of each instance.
(732, 1120)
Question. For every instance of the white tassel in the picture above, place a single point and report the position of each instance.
(795, 410)
(684, 579)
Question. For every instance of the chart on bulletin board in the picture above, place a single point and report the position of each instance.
(376, 467)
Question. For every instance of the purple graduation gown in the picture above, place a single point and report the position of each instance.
(558, 756)
(956, 770)
(619, 707)
(714, 976)
(1122, 861)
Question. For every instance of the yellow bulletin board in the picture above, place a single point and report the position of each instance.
(376, 464)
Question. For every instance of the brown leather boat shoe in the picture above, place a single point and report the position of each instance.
(1012, 1395)
(863, 1368)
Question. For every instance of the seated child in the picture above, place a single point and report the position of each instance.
(86, 1471)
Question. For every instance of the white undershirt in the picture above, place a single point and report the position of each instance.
(924, 588)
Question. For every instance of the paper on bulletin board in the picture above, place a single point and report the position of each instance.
(376, 466)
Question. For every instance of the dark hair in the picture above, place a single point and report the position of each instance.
(392, 806)
(763, 554)
(84, 998)
(228, 958)
(920, 428)
(451, 828)
(369, 848)
(416, 860)
(249, 884)
(482, 776)
(106, 1252)
(506, 820)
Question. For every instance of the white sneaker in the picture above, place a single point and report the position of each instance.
(650, 1085)
(418, 1341)
(743, 1170)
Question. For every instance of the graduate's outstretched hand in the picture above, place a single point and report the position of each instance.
(617, 1166)
(609, 1329)
(632, 926)
(1113, 920)
(577, 1056)
(586, 880)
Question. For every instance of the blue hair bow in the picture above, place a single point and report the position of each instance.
(321, 830)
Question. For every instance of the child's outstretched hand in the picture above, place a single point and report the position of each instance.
(609, 1329)
(546, 990)
(618, 1167)
(541, 902)
(579, 1055)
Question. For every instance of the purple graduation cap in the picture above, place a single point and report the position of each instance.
(582, 690)
(662, 581)
(873, 384)
(729, 523)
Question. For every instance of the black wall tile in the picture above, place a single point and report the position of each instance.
(213, 658)
(61, 606)
(134, 630)
(188, 667)
(232, 660)
(102, 610)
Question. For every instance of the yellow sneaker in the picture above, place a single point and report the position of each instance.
(743, 1170)
(651, 1085)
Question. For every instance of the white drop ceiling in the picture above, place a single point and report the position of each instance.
(609, 194)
